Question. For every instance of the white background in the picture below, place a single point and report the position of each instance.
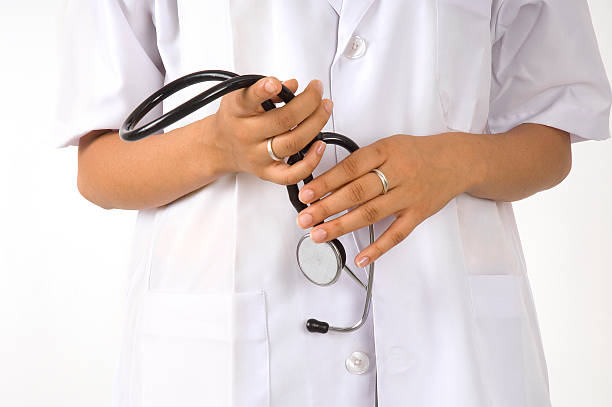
(62, 259)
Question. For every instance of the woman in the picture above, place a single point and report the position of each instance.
(464, 106)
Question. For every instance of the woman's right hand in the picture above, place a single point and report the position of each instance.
(241, 129)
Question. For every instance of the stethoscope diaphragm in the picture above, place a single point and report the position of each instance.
(321, 263)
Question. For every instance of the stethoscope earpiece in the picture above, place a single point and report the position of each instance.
(314, 325)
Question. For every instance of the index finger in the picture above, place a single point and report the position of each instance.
(354, 166)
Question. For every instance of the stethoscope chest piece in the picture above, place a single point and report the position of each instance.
(321, 263)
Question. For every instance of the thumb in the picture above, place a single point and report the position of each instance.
(248, 101)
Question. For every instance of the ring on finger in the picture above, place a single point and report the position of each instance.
(383, 180)
(271, 152)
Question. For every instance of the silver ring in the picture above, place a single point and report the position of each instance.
(271, 153)
(383, 179)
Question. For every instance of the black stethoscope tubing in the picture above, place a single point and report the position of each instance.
(230, 82)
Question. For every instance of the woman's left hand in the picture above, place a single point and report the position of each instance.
(424, 174)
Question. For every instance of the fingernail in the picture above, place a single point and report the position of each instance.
(318, 235)
(319, 85)
(328, 105)
(306, 195)
(305, 220)
(362, 262)
(269, 85)
(321, 147)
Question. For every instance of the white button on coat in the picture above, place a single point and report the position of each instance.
(216, 302)
(357, 362)
(356, 47)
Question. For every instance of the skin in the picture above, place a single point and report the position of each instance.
(424, 173)
(160, 169)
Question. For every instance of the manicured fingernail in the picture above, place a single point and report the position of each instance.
(318, 235)
(304, 220)
(328, 105)
(321, 147)
(269, 85)
(362, 262)
(319, 86)
(306, 195)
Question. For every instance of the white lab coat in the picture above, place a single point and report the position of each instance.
(216, 302)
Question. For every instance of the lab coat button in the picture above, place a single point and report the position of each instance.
(357, 363)
(355, 48)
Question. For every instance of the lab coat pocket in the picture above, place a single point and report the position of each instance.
(499, 328)
(464, 62)
(202, 350)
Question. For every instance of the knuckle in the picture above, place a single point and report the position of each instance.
(292, 179)
(397, 237)
(285, 119)
(378, 251)
(243, 132)
(336, 228)
(356, 192)
(320, 185)
(321, 210)
(289, 178)
(306, 170)
(419, 209)
(292, 145)
(369, 213)
(377, 150)
(350, 166)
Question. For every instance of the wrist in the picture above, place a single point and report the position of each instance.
(213, 153)
(470, 154)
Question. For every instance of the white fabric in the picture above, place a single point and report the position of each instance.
(217, 304)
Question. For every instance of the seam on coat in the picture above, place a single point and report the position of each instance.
(508, 212)
(269, 375)
(475, 346)
(235, 197)
(443, 108)
(136, 302)
(160, 217)
(233, 292)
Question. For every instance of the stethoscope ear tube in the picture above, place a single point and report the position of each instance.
(229, 83)
(314, 325)
(329, 138)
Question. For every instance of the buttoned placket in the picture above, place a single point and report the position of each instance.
(350, 48)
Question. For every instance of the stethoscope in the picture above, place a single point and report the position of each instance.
(321, 263)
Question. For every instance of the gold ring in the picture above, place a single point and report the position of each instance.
(383, 179)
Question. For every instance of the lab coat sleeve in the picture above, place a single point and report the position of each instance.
(109, 63)
(547, 69)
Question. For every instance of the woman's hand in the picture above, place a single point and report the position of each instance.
(424, 174)
(241, 129)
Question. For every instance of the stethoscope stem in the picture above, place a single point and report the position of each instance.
(355, 278)
(230, 82)
(313, 325)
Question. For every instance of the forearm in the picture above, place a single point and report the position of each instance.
(148, 173)
(513, 165)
